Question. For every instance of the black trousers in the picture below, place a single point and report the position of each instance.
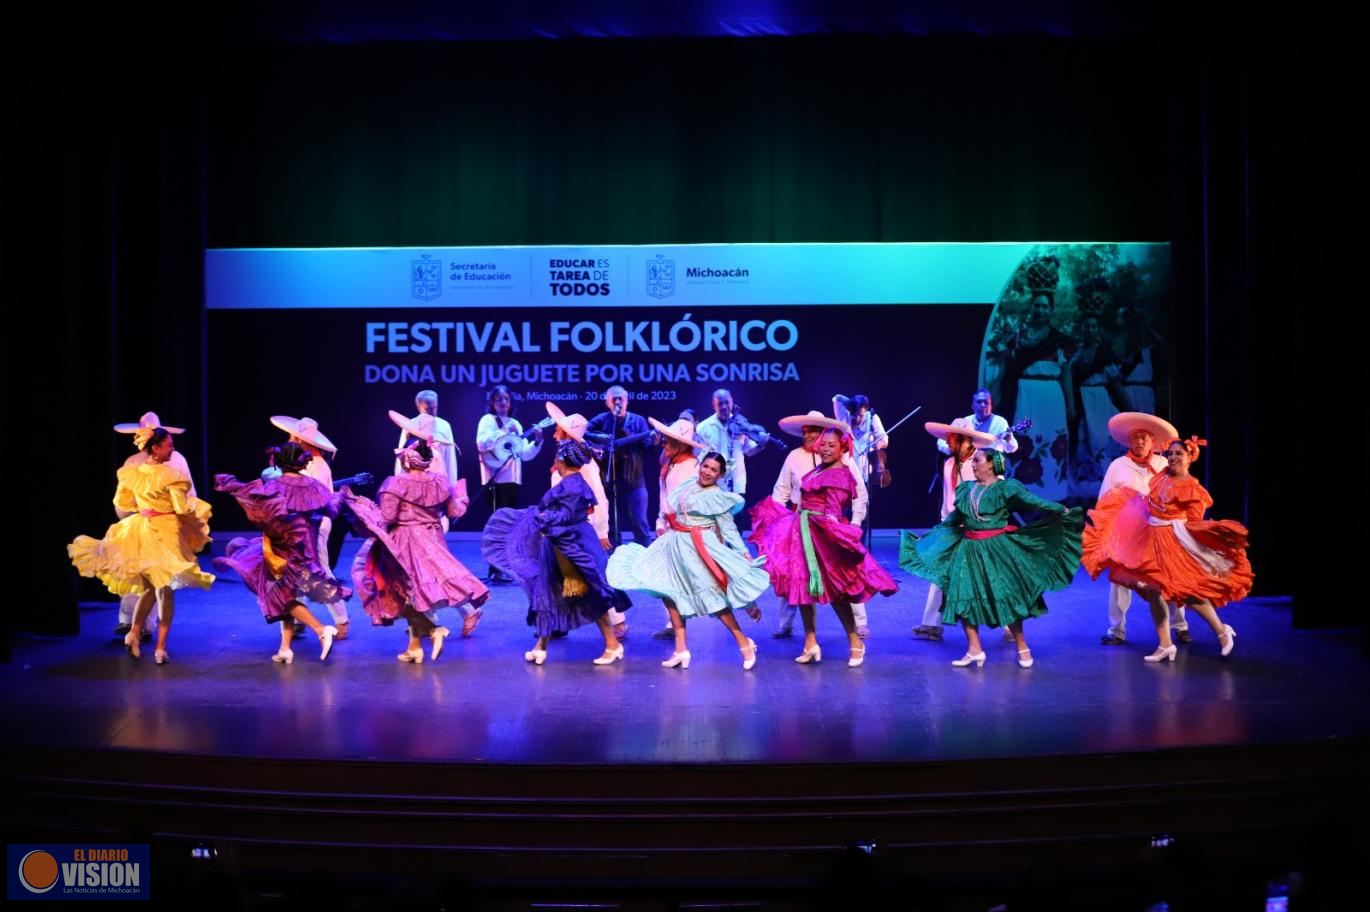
(503, 494)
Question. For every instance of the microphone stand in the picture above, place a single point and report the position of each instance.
(489, 487)
(872, 452)
(868, 536)
(613, 482)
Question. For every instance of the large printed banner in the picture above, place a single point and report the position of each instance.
(1066, 334)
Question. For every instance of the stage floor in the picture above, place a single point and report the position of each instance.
(481, 703)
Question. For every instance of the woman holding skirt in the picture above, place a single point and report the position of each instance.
(555, 555)
(990, 571)
(1159, 545)
(700, 566)
(815, 555)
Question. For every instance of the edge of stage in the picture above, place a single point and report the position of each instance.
(633, 773)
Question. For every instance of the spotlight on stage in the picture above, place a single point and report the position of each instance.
(1162, 841)
(203, 851)
(864, 846)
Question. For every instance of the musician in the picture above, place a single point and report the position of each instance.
(983, 419)
(623, 479)
(727, 432)
(445, 457)
(868, 434)
(437, 433)
(499, 431)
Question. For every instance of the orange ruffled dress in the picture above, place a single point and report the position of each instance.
(1161, 541)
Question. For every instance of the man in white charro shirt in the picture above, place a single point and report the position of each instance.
(446, 456)
(1139, 432)
(799, 462)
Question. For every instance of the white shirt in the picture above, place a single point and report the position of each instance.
(996, 426)
(676, 475)
(444, 457)
(800, 462)
(319, 469)
(735, 450)
(488, 432)
(599, 516)
(949, 484)
(867, 436)
(1123, 472)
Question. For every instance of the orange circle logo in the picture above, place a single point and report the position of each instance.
(38, 871)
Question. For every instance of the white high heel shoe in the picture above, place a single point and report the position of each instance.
(977, 659)
(1231, 640)
(412, 655)
(326, 638)
(284, 657)
(161, 657)
(1162, 654)
(748, 664)
(1022, 662)
(811, 654)
(858, 656)
(610, 656)
(133, 644)
(439, 635)
(678, 660)
(536, 656)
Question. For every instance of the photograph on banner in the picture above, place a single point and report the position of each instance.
(1077, 336)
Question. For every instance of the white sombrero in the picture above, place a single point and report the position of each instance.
(1121, 426)
(795, 424)
(942, 431)
(573, 425)
(306, 429)
(424, 427)
(149, 421)
(680, 430)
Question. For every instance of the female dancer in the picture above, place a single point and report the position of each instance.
(992, 572)
(815, 554)
(151, 551)
(412, 573)
(1159, 544)
(284, 565)
(962, 442)
(554, 553)
(701, 567)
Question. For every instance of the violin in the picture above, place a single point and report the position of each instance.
(739, 426)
